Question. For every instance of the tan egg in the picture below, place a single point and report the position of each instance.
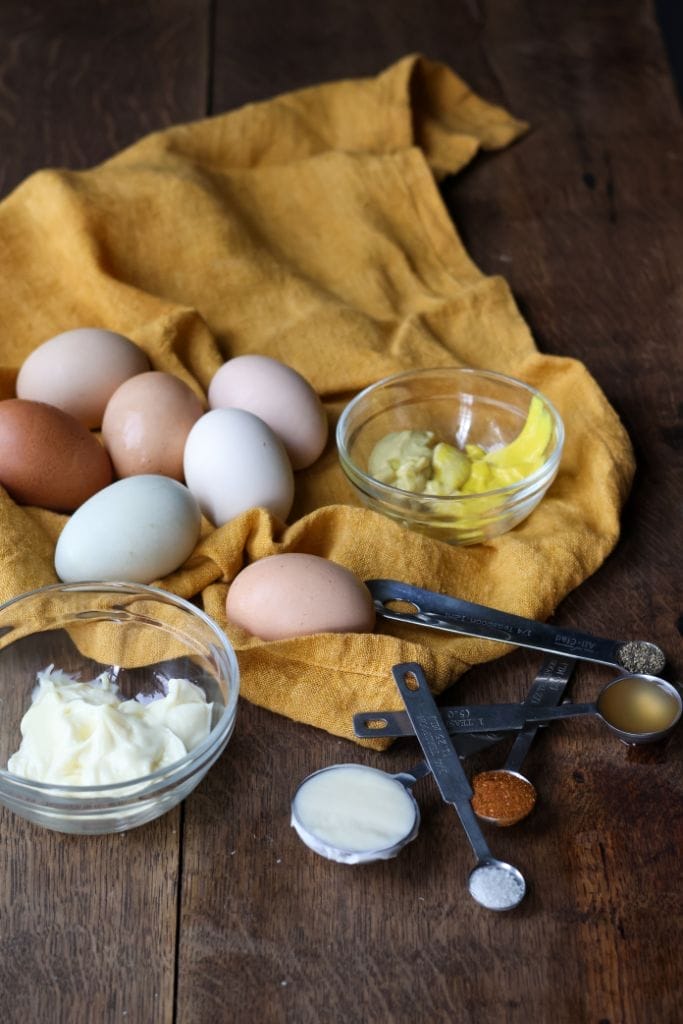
(48, 458)
(279, 396)
(79, 371)
(146, 424)
(297, 594)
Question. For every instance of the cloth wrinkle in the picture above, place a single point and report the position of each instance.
(311, 228)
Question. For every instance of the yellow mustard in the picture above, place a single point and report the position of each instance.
(413, 460)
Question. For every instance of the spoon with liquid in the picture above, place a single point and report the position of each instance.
(637, 708)
(492, 883)
(453, 615)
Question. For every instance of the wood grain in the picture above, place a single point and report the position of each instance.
(218, 912)
(89, 925)
(584, 218)
(79, 81)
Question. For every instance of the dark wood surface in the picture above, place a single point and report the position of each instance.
(216, 912)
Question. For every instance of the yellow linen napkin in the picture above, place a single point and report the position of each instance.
(310, 228)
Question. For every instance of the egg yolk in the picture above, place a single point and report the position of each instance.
(415, 461)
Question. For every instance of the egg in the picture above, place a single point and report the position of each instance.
(146, 424)
(48, 458)
(233, 461)
(79, 371)
(280, 396)
(138, 529)
(297, 594)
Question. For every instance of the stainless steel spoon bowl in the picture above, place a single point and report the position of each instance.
(453, 615)
(493, 883)
(472, 719)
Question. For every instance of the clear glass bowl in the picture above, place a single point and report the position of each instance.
(461, 406)
(144, 636)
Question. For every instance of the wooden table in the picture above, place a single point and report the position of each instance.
(216, 912)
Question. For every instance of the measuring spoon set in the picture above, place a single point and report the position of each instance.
(348, 816)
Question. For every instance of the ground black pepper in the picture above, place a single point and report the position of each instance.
(641, 656)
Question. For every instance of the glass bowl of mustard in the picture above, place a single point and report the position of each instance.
(116, 700)
(459, 454)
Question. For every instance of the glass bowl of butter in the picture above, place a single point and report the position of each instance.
(116, 700)
(459, 454)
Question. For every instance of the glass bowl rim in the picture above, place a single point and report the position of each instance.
(141, 786)
(395, 493)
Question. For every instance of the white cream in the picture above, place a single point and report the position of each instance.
(353, 813)
(83, 733)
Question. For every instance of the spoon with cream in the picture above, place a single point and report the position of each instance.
(354, 814)
(337, 813)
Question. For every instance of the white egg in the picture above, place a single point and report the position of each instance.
(234, 461)
(137, 529)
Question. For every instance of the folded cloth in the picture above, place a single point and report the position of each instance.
(310, 228)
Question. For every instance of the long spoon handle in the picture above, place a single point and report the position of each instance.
(453, 615)
(439, 751)
(547, 689)
(473, 718)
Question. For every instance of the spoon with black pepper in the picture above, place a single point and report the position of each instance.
(453, 615)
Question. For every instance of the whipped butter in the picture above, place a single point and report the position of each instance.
(84, 734)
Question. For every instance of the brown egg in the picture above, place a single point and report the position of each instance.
(297, 594)
(146, 424)
(79, 371)
(48, 458)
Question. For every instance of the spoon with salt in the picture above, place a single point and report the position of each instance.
(492, 883)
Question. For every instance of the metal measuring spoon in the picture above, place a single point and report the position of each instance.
(492, 883)
(329, 834)
(547, 688)
(453, 615)
(505, 796)
(614, 707)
